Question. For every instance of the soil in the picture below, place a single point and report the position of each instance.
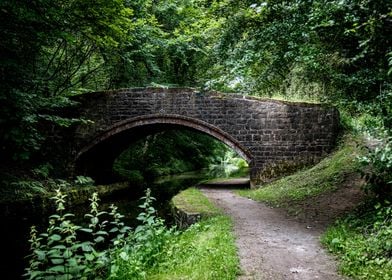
(278, 243)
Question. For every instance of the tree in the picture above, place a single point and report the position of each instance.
(342, 46)
(50, 51)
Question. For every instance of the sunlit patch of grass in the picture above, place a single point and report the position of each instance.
(192, 200)
(206, 250)
(324, 176)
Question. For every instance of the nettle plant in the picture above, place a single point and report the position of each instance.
(96, 251)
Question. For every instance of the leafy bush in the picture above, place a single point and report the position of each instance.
(143, 248)
(100, 250)
(363, 242)
(378, 175)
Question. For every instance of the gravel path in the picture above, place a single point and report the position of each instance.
(272, 245)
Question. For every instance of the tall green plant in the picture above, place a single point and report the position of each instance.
(144, 249)
(104, 249)
(70, 251)
(54, 252)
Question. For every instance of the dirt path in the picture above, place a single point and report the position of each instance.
(272, 245)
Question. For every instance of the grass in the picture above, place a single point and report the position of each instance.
(324, 176)
(192, 200)
(363, 242)
(205, 250)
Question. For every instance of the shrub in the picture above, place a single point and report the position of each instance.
(105, 248)
(144, 247)
(378, 173)
(363, 242)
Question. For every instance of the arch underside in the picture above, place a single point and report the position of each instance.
(96, 159)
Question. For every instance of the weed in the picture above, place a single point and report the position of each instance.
(363, 242)
(100, 250)
(107, 249)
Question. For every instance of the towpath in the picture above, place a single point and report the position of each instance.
(271, 245)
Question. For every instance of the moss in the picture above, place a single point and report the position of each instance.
(282, 169)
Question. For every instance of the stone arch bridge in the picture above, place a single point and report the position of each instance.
(273, 136)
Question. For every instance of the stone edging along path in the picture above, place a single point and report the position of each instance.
(272, 245)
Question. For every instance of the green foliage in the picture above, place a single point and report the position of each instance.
(230, 165)
(39, 184)
(324, 176)
(336, 49)
(105, 248)
(21, 188)
(378, 174)
(28, 187)
(54, 252)
(52, 49)
(322, 50)
(363, 242)
(206, 250)
(83, 181)
(145, 248)
(169, 152)
(43, 171)
(192, 200)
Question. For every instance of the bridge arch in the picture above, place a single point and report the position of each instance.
(97, 157)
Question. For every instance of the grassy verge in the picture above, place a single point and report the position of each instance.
(363, 242)
(327, 175)
(193, 201)
(206, 250)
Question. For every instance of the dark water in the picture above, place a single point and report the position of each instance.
(17, 220)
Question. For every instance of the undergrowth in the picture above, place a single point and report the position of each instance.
(104, 248)
(205, 250)
(363, 242)
(325, 176)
